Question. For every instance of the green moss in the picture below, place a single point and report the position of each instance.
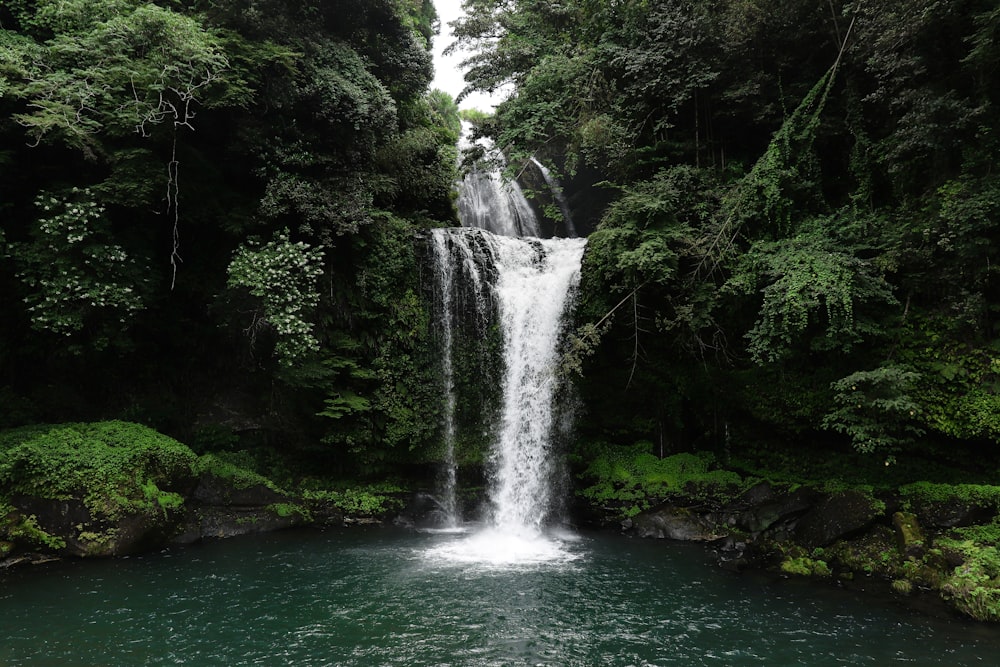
(805, 567)
(97, 543)
(632, 479)
(902, 586)
(116, 468)
(288, 510)
(875, 553)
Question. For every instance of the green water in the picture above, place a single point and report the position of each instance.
(388, 597)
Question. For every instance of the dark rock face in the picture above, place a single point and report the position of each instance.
(767, 507)
(750, 531)
(952, 513)
(217, 509)
(675, 523)
(212, 490)
(835, 516)
(223, 521)
(123, 533)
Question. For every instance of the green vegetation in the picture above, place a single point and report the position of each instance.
(974, 586)
(378, 500)
(236, 468)
(804, 566)
(632, 479)
(211, 211)
(115, 468)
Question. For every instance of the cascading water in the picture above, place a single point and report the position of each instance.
(557, 194)
(529, 284)
(534, 286)
(444, 276)
(487, 201)
(462, 292)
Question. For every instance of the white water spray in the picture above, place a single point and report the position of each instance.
(444, 275)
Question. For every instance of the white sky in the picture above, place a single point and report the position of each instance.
(447, 75)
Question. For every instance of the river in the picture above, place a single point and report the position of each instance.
(388, 596)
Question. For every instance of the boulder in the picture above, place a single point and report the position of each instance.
(836, 516)
(675, 523)
(128, 531)
(772, 508)
(953, 512)
(222, 522)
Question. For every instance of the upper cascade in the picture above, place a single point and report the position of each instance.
(487, 201)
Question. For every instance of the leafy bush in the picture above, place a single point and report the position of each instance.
(283, 276)
(875, 409)
(76, 278)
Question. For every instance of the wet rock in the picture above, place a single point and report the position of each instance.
(757, 495)
(952, 512)
(675, 523)
(836, 516)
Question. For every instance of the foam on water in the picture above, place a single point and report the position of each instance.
(504, 549)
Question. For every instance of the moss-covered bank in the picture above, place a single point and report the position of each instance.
(114, 488)
(915, 537)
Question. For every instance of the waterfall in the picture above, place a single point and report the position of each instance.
(534, 286)
(557, 194)
(523, 287)
(461, 290)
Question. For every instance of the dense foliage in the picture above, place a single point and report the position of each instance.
(803, 211)
(208, 210)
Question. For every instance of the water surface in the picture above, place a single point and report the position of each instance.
(393, 597)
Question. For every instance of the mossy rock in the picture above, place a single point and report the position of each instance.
(909, 536)
(951, 505)
(92, 489)
(873, 553)
(837, 516)
(804, 566)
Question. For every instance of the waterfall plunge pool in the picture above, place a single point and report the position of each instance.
(387, 596)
